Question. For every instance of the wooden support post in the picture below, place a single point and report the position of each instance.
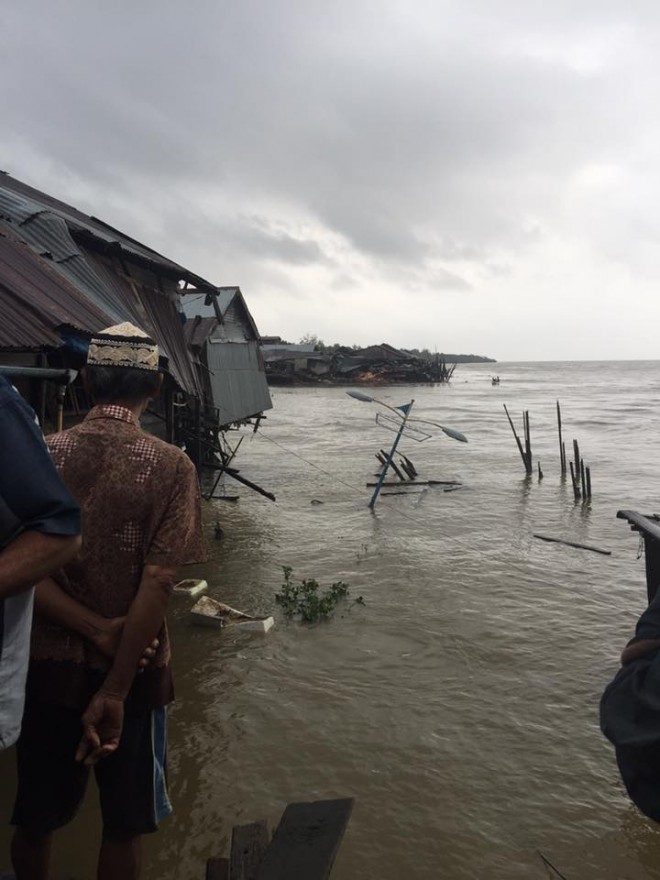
(583, 480)
(410, 465)
(410, 472)
(517, 438)
(528, 443)
(61, 392)
(588, 473)
(392, 465)
(576, 487)
(198, 435)
(562, 448)
(540, 471)
(576, 453)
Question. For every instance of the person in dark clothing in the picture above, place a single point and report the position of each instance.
(630, 713)
(39, 532)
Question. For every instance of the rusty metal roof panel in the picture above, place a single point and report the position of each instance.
(197, 330)
(20, 202)
(36, 299)
(155, 312)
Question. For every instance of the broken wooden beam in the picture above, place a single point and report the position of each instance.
(424, 483)
(573, 544)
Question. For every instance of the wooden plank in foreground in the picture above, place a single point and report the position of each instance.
(248, 844)
(306, 841)
(217, 869)
(573, 544)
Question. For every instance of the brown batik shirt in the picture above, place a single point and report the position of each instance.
(140, 501)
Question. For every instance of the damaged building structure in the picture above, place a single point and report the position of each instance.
(377, 364)
(65, 275)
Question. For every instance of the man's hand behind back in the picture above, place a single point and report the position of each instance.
(102, 725)
(108, 636)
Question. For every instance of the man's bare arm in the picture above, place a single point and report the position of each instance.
(52, 602)
(31, 557)
(103, 719)
(143, 622)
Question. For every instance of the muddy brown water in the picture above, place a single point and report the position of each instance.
(458, 706)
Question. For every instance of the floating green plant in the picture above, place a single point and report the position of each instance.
(305, 598)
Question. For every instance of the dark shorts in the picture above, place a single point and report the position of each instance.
(51, 784)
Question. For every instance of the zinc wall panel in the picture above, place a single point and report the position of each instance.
(239, 383)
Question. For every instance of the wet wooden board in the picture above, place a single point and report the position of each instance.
(217, 869)
(306, 841)
(248, 844)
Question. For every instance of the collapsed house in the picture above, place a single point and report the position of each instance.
(377, 364)
(65, 275)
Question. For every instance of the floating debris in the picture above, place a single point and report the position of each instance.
(210, 612)
(191, 587)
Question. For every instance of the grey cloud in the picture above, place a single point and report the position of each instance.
(404, 141)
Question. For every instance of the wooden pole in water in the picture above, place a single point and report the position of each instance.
(383, 458)
(520, 449)
(588, 473)
(562, 448)
(540, 471)
(576, 453)
(576, 488)
(528, 443)
(583, 480)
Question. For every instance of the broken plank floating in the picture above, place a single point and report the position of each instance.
(402, 492)
(424, 483)
(303, 847)
(573, 544)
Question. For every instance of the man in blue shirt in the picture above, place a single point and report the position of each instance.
(39, 532)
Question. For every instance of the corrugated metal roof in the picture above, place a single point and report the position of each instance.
(48, 226)
(230, 300)
(197, 330)
(155, 312)
(85, 225)
(35, 299)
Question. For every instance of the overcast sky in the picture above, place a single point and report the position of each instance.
(471, 176)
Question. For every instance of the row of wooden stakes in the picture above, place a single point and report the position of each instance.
(580, 473)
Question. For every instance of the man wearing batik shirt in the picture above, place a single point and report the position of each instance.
(39, 531)
(141, 520)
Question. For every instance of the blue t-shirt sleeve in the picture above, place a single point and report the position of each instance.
(29, 482)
